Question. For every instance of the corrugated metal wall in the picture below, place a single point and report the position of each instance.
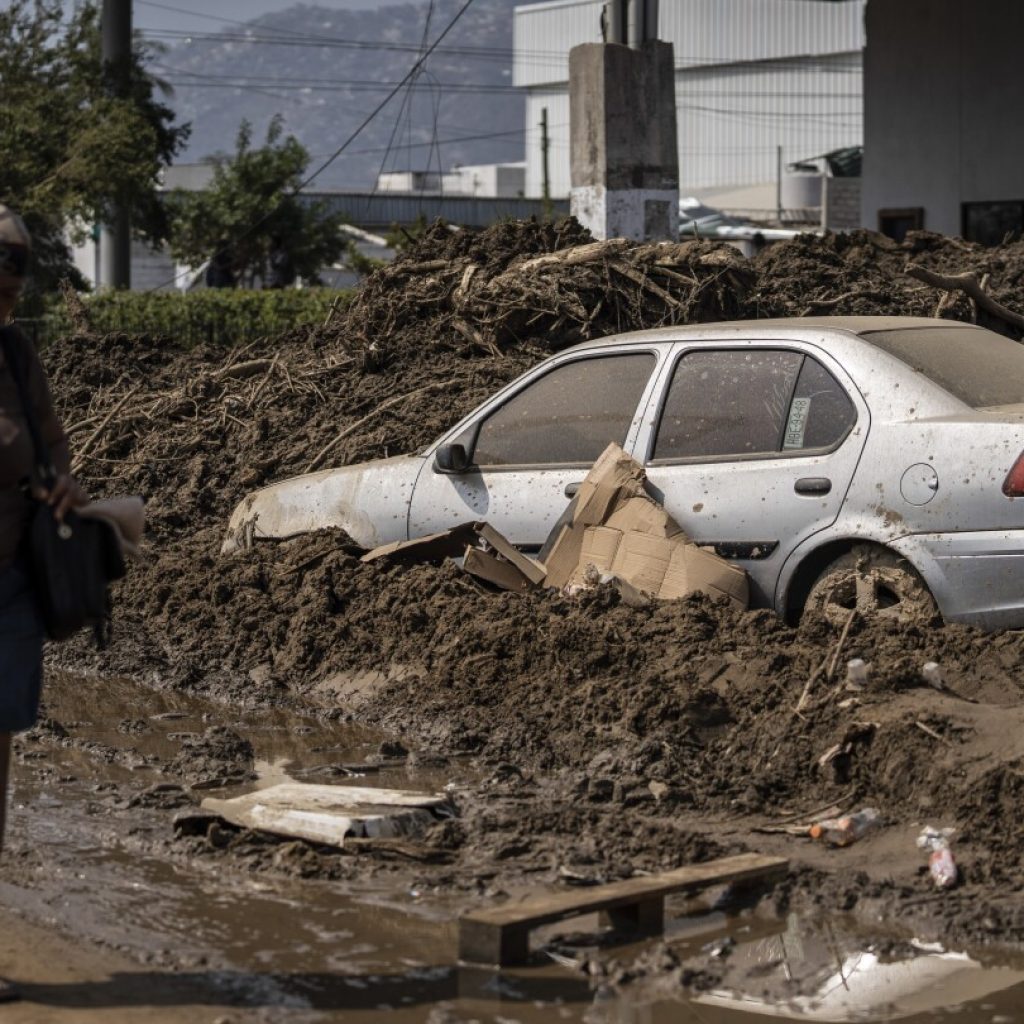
(788, 73)
(731, 120)
(716, 31)
(543, 35)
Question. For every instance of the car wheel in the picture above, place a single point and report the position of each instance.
(875, 582)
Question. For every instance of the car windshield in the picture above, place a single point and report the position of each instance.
(980, 368)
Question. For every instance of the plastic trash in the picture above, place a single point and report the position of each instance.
(931, 673)
(856, 674)
(941, 865)
(847, 829)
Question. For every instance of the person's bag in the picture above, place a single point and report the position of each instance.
(72, 562)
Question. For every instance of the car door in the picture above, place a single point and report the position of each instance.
(752, 447)
(529, 447)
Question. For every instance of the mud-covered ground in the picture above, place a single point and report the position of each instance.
(606, 739)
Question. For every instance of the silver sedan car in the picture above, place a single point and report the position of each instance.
(845, 462)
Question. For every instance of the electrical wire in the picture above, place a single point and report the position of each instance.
(348, 141)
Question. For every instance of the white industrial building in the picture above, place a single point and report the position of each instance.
(756, 80)
(495, 181)
(943, 88)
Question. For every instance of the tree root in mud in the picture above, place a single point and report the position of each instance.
(971, 286)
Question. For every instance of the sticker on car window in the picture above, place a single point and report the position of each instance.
(796, 426)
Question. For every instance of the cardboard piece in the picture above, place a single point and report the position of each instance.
(621, 531)
(435, 547)
(330, 814)
(533, 570)
(502, 574)
(486, 553)
(612, 531)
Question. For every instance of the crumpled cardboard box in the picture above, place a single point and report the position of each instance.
(618, 528)
(612, 529)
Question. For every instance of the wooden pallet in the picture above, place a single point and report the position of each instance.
(501, 935)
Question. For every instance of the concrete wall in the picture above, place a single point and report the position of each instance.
(942, 92)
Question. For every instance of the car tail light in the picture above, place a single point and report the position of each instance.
(1013, 485)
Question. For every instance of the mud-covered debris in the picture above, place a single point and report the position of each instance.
(691, 695)
(220, 755)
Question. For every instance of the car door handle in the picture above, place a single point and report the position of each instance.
(813, 485)
(571, 489)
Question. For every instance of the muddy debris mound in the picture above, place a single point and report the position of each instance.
(637, 715)
(684, 707)
(861, 273)
(546, 284)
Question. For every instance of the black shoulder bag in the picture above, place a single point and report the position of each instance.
(72, 562)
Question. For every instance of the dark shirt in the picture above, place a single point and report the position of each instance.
(16, 455)
(219, 273)
(282, 269)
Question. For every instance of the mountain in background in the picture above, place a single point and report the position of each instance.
(324, 71)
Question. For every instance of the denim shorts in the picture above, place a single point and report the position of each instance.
(21, 651)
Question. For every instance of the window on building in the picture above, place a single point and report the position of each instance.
(991, 223)
(569, 416)
(896, 223)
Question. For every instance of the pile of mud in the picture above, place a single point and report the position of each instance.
(686, 706)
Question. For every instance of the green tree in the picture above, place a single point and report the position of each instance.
(251, 201)
(71, 147)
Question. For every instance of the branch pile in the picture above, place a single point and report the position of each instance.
(538, 284)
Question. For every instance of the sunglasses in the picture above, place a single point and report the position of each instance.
(13, 259)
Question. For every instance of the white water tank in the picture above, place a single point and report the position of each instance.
(801, 190)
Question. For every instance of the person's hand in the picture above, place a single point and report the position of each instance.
(65, 494)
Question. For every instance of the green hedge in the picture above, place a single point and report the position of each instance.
(223, 316)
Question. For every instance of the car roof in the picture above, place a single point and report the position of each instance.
(793, 326)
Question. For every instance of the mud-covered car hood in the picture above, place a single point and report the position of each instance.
(370, 501)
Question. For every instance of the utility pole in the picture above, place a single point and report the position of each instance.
(116, 42)
(622, 116)
(545, 145)
(778, 184)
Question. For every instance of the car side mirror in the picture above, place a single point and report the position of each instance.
(451, 458)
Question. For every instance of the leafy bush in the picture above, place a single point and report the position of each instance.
(223, 316)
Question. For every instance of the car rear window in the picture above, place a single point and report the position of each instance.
(979, 367)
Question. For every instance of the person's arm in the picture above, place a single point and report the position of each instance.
(66, 493)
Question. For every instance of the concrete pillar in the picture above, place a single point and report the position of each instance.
(116, 42)
(625, 165)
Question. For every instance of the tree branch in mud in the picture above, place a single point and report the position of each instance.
(969, 284)
(383, 407)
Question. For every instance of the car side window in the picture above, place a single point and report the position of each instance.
(570, 415)
(730, 402)
(821, 412)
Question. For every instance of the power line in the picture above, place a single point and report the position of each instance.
(353, 136)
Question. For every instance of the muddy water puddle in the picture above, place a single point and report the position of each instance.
(91, 859)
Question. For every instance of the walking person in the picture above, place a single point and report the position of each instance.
(281, 266)
(21, 629)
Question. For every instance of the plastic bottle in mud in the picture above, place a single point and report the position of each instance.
(941, 865)
(847, 829)
(856, 674)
